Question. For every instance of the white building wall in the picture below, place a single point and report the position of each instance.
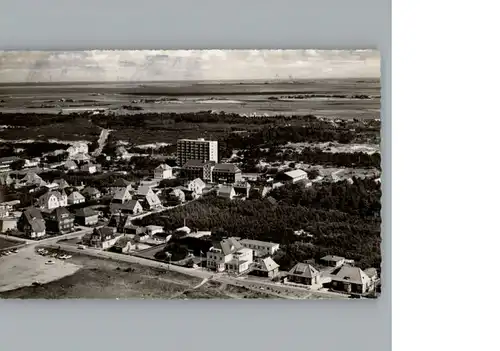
(213, 151)
(52, 203)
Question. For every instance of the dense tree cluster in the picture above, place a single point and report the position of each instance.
(316, 156)
(341, 218)
(35, 149)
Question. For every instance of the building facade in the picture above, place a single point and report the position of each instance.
(260, 248)
(196, 149)
(228, 255)
(266, 267)
(163, 172)
(53, 199)
(59, 221)
(226, 173)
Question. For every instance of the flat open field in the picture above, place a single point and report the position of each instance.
(99, 278)
(236, 97)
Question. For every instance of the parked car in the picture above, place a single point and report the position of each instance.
(49, 262)
(81, 247)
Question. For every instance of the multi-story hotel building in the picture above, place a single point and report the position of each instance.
(196, 149)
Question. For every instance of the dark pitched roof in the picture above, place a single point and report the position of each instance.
(122, 195)
(62, 183)
(32, 213)
(228, 246)
(130, 205)
(104, 232)
(303, 270)
(226, 168)
(121, 183)
(38, 225)
(59, 212)
(85, 212)
(266, 264)
(350, 274)
(75, 195)
(90, 191)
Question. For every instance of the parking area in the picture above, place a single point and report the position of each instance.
(25, 267)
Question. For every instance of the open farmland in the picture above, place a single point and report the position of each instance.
(30, 111)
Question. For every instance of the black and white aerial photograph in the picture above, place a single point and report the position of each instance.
(190, 174)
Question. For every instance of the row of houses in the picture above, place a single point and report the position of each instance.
(234, 255)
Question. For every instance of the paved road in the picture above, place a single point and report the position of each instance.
(199, 273)
(52, 239)
(129, 259)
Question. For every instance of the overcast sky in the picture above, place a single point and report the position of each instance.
(148, 65)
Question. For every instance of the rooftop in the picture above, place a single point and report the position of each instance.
(228, 246)
(332, 258)
(304, 270)
(163, 167)
(350, 274)
(143, 190)
(257, 242)
(85, 212)
(226, 167)
(296, 173)
(267, 264)
(121, 183)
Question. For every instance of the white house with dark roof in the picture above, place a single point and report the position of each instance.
(132, 207)
(86, 216)
(31, 179)
(121, 196)
(228, 255)
(266, 267)
(75, 198)
(260, 248)
(32, 223)
(147, 197)
(52, 199)
(121, 184)
(163, 172)
(305, 274)
(351, 280)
